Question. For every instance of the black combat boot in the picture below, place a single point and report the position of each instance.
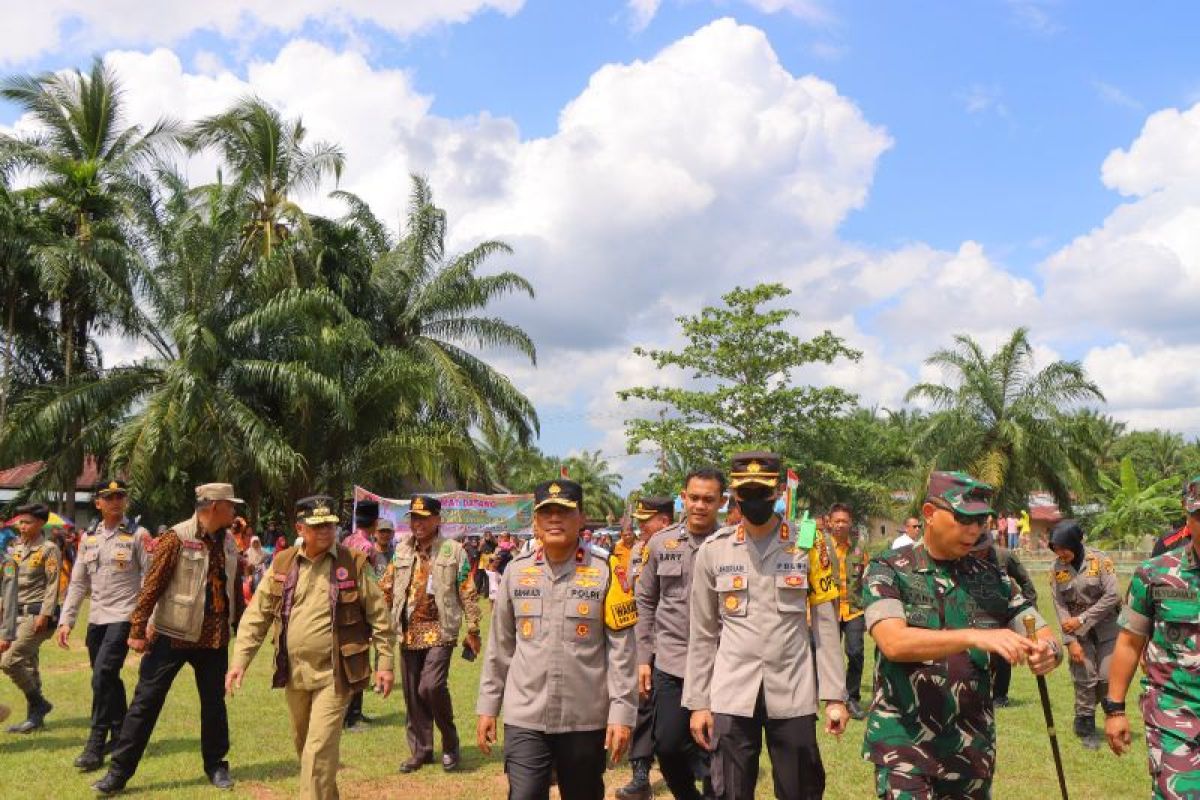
(92, 757)
(1085, 729)
(38, 707)
(638, 787)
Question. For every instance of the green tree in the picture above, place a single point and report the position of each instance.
(1003, 421)
(1154, 454)
(1133, 510)
(85, 163)
(740, 358)
(592, 471)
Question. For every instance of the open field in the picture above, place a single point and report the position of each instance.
(264, 764)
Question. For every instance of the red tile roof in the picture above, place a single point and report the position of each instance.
(16, 477)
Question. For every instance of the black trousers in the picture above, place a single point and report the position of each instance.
(159, 667)
(425, 675)
(641, 746)
(853, 632)
(354, 709)
(679, 757)
(796, 767)
(107, 647)
(576, 758)
(1001, 676)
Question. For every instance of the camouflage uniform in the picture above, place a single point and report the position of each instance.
(1164, 607)
(1091, 594)
(931, 724)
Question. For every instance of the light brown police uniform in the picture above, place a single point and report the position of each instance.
(1091, 594)
(30, 590)
(316, 699)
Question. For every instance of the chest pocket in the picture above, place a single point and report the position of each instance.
(445, 572)
(122, 555)
(584, 619)
(194, 566)
(349, 610)
(528, 613)
(791, 590)
(670, 576)
(1178, 623)
(91, 559)
(734, 595)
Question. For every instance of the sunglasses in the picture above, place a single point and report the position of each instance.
(960, 518)
(114, 496)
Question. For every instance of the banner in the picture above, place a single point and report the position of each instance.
(463, 513)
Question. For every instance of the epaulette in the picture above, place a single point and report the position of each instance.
(720, 533)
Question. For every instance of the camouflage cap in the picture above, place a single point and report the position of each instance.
(962, 493)
(647, 507)
(754, 468)
(1191, 495)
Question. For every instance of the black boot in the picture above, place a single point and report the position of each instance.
(38, 708)
(92, 757)
(1085, 729)
(638, 787)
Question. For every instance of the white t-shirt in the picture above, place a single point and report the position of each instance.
(903, 540)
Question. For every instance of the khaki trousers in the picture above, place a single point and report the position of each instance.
(317, 731)
(20, 660)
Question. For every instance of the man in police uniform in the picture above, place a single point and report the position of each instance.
(362, 540)
(662, 628)
(1159, 630)
(849, 555)
(1087, 601)
(108, 570)
(322, 645)
(936, 612)
(430, 595)
(749, 666)
(560, 660)
(184, 615)
(653, 514)
(29, 588)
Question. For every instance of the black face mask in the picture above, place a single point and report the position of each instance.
(758, 508)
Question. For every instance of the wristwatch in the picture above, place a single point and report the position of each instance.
(1112, 708)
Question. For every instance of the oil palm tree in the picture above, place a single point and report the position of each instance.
(84, 162)
(1003, 420)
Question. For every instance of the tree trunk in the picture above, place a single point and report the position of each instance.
(9, 332)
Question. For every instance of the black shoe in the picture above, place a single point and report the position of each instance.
(638, 787)
(220, 777)
(414, 764)
(356, 726)
(856, 711)
(1001, 702)
(450, 761)
(89, 760)
(37, 707)
(110, 784)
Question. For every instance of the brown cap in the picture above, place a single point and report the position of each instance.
(755, 468)
(423, 505)
(217, 491)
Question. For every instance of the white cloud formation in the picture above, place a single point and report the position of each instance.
(28, 31)
(642, 12)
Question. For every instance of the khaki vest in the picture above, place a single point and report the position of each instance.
(446, 559)
(351, 631)
(180, 610)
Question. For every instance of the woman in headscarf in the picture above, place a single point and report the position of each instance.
(256, 561)
(1087, 600)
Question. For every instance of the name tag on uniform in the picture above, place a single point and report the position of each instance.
(1172, 593)
(346, 584)
(193, 544)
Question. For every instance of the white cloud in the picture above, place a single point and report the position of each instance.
(642, 12)
(1115, 96)
(28, 31)
(982, 98)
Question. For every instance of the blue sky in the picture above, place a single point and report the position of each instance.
(947, 168)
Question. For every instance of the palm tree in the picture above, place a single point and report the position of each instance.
(591, 471)
(1003, 421)
(269, 163)
(84, 163)
(430, 310)
(1133, 510)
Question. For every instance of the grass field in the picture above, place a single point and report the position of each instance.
(264, 763)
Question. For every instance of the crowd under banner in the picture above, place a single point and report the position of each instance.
(463, 513)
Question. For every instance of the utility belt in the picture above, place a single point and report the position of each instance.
(33, 610)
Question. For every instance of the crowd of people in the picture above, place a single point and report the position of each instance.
(684, 641)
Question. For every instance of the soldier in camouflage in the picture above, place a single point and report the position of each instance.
(936, 614)
(1087, 601)
(987, 549)
(1159, 627)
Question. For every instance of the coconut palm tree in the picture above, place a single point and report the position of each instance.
(1002, 420)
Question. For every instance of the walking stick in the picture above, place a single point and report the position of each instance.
(1030, 623)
